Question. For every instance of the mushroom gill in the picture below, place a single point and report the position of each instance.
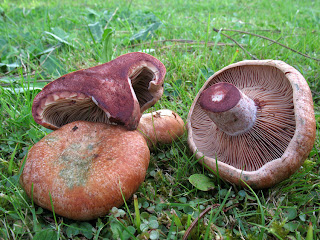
(69, 107)
(140, 80)
(273, 128)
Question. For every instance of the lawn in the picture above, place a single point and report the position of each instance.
(43, 40)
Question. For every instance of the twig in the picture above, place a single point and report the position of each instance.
(194, 223)
(46, 58)
(233, 206)
(191, 46)
(227, 36)
(271, 40)
(182, 41)
(266, 30)
(113, 14)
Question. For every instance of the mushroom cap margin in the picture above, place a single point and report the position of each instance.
(298, 149)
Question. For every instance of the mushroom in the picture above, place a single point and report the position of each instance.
(253, 121)
(85, 169)
(162, 126)
(114, 92)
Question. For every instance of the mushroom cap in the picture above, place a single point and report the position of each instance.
(85, 167)
(114, 92)
(281, 137)
(162, 126)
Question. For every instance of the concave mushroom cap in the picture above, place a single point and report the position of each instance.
(114, 92)
(161, 127)
(85, 168)
(281, 137)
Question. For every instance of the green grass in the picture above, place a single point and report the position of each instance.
(42, 40)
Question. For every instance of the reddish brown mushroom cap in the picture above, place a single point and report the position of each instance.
(85, 168)
(283, 130)
(117, 92)
(163, 126)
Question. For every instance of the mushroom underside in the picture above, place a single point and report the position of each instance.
(272, 131)
(61, 108)
(140, 81)
(68, 109)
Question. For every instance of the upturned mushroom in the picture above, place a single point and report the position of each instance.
(253, 121)
(115, 92)
(161, 127)
(85, 169)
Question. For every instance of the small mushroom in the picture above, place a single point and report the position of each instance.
(115, 92)
(253, 120)
(162, 126)
(85, 168)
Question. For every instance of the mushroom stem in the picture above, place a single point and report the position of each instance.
(231, 110)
